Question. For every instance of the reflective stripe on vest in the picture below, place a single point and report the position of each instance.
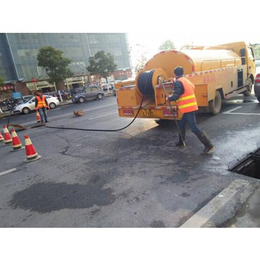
(41, 102)
(187, 101)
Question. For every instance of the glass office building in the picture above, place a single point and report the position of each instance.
(18, 51)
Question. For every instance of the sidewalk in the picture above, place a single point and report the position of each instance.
(248, 215)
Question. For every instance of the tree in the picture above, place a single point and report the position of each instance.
(1, 83)
(140, 63)
(167, 45)
(102, 64)
(55, 65)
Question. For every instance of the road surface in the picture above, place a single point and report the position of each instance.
(130, 178)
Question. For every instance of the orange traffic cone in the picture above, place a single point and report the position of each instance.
(1, 137)
(7, 136)
(38, 118)
(31, 154)
(17, 145)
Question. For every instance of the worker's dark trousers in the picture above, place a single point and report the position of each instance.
(43, 114)
(191, 120)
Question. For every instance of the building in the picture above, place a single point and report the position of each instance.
(18, 55)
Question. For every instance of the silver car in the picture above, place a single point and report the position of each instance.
(29, 104)
(88, 93)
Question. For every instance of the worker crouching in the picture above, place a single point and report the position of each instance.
(184, 96)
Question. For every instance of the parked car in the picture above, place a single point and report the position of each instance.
(29, 104)
(257, 86)
(88, 93)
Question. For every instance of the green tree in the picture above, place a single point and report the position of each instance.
(102, 64)
(1, 83)
(167, 45)
(55, 65)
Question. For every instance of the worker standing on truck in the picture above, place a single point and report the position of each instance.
(186, 102)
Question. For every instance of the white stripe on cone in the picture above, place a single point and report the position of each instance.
(16, 139)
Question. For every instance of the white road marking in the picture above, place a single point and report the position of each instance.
(230, 112)
(210, 209)
(246, 114)
(67, 114)
(103, 115)
(8, 171)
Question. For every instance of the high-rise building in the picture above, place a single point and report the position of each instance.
(18, 52)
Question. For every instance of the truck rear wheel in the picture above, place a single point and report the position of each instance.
(249, 89)
(163, 122)
(215, 104)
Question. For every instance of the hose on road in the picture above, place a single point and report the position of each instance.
(144, 82)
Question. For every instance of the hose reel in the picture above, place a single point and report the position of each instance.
(147, 80)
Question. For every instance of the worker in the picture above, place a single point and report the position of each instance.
(41, 105)
(186, 102)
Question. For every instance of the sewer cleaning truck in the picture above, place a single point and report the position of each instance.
(218, 73)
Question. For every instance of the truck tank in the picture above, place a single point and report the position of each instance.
(193, 61)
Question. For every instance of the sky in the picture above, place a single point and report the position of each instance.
(147, 23)
(148, 43)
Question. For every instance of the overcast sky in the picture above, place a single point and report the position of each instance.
(149, 23)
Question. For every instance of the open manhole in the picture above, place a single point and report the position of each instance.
(249, 166)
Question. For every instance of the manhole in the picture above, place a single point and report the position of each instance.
(249, 166)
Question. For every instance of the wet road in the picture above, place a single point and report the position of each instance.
(132, 178)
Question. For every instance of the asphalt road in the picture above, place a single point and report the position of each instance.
(131, 178)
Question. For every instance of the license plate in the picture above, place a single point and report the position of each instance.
(168, 113)
(128, 112)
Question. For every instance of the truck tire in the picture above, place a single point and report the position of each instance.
(164, 122)
(258, 98)
(249, 89)
(215, 104)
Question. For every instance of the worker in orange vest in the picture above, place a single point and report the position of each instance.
(186, 102)
(41, 105)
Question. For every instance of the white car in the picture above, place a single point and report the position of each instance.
(29, 104)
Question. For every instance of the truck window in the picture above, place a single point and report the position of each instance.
(250, 53)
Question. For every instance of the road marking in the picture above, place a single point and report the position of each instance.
(246, 114)
(230, 112)
(8, 171)
(64, 115)
(103, 115)
(210, 209)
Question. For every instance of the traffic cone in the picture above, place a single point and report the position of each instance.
(1, 137)
(17, 145)
(7, 136)
(31, 154)
(38, 118)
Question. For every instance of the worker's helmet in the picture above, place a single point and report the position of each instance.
(178, 71)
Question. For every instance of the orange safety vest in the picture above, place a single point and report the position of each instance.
(41, 102)
(187, 101)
